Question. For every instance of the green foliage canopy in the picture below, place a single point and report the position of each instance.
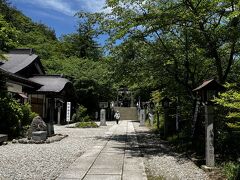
(8, 36)
(231, 101)
(185, 36)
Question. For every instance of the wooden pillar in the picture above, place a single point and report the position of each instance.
(166, 122)
(59, 115)
(51, 117)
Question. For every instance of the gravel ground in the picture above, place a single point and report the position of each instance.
(46, 161)
(161, 163)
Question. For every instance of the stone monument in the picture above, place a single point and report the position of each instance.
(38, 129)
(151, 118)
(142, 117)
(209, 151)
(103, 117)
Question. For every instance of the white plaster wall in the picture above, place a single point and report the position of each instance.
(11, 87)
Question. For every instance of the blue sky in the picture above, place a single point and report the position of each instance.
(58, 14)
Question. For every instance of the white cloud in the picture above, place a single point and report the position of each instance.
(48, 15)
(91, 5)
(56, 5)
(68, 7)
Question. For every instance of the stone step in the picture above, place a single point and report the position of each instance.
(127, 113)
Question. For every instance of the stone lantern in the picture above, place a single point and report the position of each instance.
(151, 105)
(166, 104)
(207, 91)
(151, 112)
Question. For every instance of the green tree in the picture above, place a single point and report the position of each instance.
(29, 33)
(230, 100)
(92, 79)
(184, 34)
(8, 36)
(82, 44)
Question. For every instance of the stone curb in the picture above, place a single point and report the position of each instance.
(57, 137)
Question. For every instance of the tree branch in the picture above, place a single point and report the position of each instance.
(230, 61)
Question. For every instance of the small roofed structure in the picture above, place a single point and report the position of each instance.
(208, 89)
(54, 93)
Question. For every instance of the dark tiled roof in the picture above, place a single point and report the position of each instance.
(211, 85)
(51, 83)
(22, 51)
(17, 62)
(204, 84)
(18, 59)
(20, 79)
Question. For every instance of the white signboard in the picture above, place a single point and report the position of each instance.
(68, 111)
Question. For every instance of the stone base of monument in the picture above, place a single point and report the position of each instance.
(141, 124)
(39, 135)
(54, 138)
(50, 129)
(207, 168)
(3, 138)
(103, 123)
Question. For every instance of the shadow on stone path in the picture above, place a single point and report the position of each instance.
(116, 156)
(163, 161)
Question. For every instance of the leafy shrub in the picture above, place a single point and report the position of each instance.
(86, 118)
(27, 118)
(232, 170)
(89, 124)
(28, 115)
(81, 115)
(10, 116)
(25, 130)
(74, 116)
(14, 117)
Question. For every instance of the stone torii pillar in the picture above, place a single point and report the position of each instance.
(103, 117)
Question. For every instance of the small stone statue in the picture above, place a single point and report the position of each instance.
(37, 125)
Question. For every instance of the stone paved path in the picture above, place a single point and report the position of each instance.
(116, 157)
